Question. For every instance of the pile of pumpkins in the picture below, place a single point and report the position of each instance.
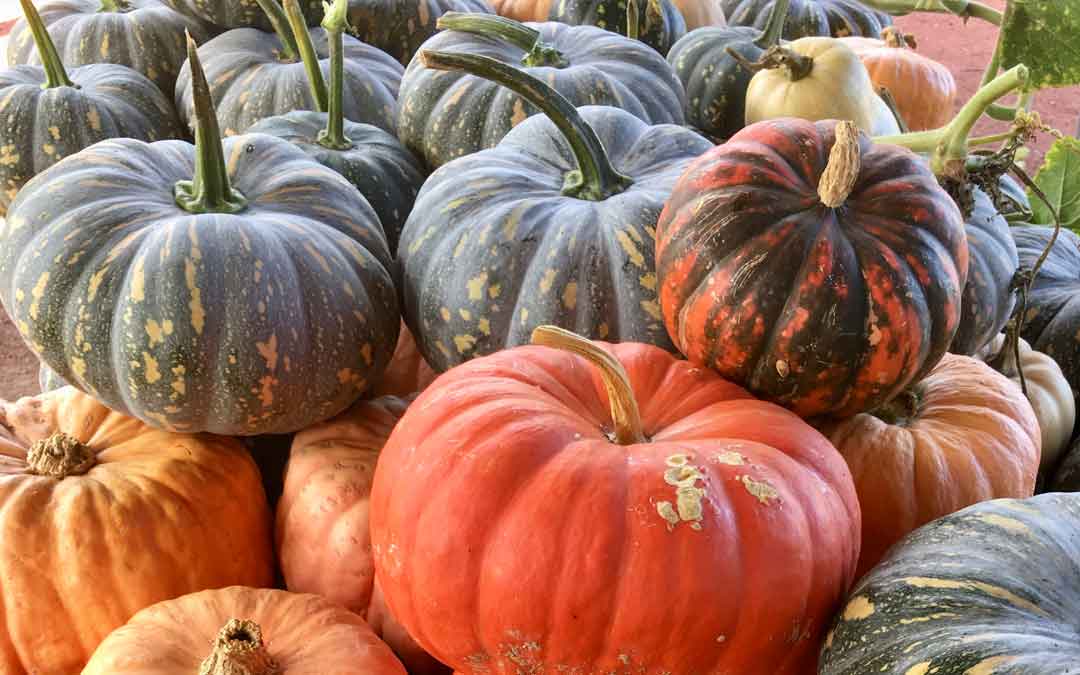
(463, 329)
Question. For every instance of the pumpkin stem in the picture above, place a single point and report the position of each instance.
(595, 178)
(797, 65)
(298, 24)
(239, 650)
(55, 75)
(537, 52)
(898, 39)
(60, 456)
(900, 410)
(210, 191)
(774, 27)
(624, 409)
(894, 108)
(842, 170)
(633, 27)
(336, 23)
(115, 6)
(280, 22)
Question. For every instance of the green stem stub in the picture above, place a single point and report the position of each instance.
(537, 52)
(595, 178)
(55, 75)
(336, 24)
(210, 191)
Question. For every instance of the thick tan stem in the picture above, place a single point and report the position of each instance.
(60, 456)
(239, 650)
(896, 38)
(842, 171)
(624, 408)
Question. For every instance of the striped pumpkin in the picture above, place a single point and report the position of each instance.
(227, 14)
(659, 23)
(811, 18)
(399, 27)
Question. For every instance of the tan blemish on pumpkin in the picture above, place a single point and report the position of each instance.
(465, 314)
(464, 343)
(648, 281)
(8, 156)
(731, 458)
(49, 148)
(104, 51)
(266, 393)
(547, 280)
(518, 114)
(156, 332)
(152, 373)
(36, 293)
(930, 617)
(55, 133)
(859, 608)
(631, 248)
(198, 314)
(990, 666)
(94, 118)
(989, 589)
(683, 476)
(138, 281)
(460, 248)
(95, 282)
(569, 296)
(652, 308)
(494, 290)
(485, 326)
(268, 350)
(918, 669)
(19, 295)
(761, 490)
(524, 315)
(476, 286)
(1004, 522)
(78, 366)
(365, 353)
(444, 312)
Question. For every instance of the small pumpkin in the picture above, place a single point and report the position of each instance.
(49, 114)
(657, 23)
(449, 115)
(811, 18)
(399, 27)
(244, 631)
(254, 299)
(990, 590)
(229, 14)
(876, 301)
(104, 516)
(652, 467)
(254, 75)
(963, 434)
(552, 226)
(408, 372)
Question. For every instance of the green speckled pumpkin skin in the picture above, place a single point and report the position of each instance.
(659, 32)
(39, 127)
(378, 165)
(147, 36)
(399, 27)
(494, 250)
(993, 589)
(265, 321)
(228, 14)
(449, 115)
(249, 82)
(809, 18)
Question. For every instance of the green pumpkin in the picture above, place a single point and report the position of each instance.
(658, 23)
(228, 14)
(449, 115)
(810, 18)
(372, 160)
(254, 75)
(48, 113)
(714, 79)
(993, 589)
(399, 27)
(553, 226)
(254, 299)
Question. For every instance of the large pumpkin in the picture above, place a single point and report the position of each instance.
(255, 299)
(875, 300)
(244, 631)
(963, 434)
(810, 18)
(448, 115)
(104, 516)
(658, 474)
(657, 23)
(991, 590)
(554, 225)
(399, 27)
(227, 14)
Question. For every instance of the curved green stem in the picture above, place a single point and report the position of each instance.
(115, 6)
(298, 24)
(537, 52)
(633, 16)
(774, 28)
(962, 8)
(595, 179)
(55, 75)
(210, 191)
(336, 23)
(280, 22)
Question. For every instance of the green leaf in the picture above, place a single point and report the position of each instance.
(1044, 35)
(1059, 179)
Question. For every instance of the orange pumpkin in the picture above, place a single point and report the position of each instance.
(104, 515)
(697, 13)
(244, 631)
(963, 435)
(382, 621)
(408, 372)
(923, 89)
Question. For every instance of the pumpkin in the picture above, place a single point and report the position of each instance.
(696, 13)
(552, 226)
(811, 18)
(416, 660)
(229, 14)
(49, 114)
(963, 434)
(104, 516)
(448, 115)
(876, 300)
(923, 89)
(254, 75)
(1066, 475)
(652, 467)
(657, 23)
(714, 78)
(49, 380)
(408, 372)
(244, 631)
(254, 299)
(373, 160)
(817, 79)
(146, 35)
(989, 590)
(1047, 390)
(989, 297)
(399, 27)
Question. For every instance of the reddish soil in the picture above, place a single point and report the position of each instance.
(964, 48)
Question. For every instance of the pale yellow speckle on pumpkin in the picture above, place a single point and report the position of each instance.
(198, 314)
(152, 373)
(569, 296)
(652, 308)
(94, 118)
(547, 280)
(36, 294)
(138, 281)
(464, 343)
(761, 490)
(78, 366)
(476, 286)
(630, 248)
(859, 608)
(731, 458)
(648, 281)
(269, 351)
(445, 313)
(918, 669)
(485, 326)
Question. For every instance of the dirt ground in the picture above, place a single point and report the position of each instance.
(964, 48)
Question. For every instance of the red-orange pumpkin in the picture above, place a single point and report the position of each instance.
(526, 517)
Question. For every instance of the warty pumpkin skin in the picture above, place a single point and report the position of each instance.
(811, 18)
(963, 434)
(990, 590)
(449, 115)
(399, 27)
(876, 301)
(228, 14)
(140, 516)
(279, 632)
(659, 22)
